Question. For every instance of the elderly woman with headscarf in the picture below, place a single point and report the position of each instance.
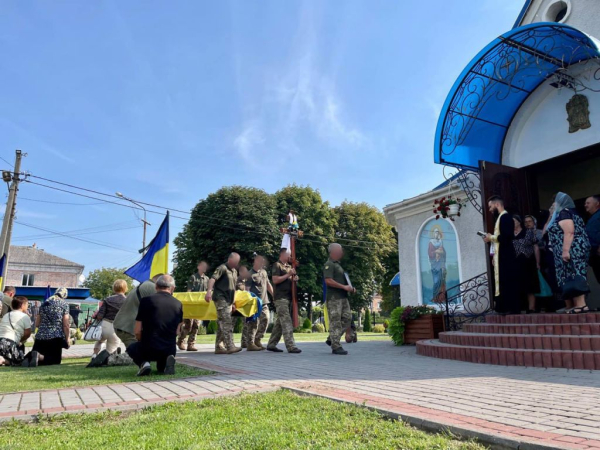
(570, 245)
(52, 335)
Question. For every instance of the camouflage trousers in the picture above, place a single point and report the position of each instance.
(224, 324)
(340, 318)
(283, 325)
(245, 333)
(258, 328)
(189, 330)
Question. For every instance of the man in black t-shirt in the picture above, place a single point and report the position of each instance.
(157, 325)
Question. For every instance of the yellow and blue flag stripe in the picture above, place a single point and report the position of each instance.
(156, 259)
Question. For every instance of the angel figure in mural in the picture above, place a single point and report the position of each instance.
(437, 262)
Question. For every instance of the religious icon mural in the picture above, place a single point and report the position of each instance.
(438, 261)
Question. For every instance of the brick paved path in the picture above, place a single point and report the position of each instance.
(551, 408)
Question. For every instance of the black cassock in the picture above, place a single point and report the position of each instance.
(509, 301)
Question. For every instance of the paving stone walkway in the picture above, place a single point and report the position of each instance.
(515, 407)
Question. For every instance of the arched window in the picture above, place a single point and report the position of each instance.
(438, 258)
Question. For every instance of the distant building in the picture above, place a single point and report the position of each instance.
(32, 266)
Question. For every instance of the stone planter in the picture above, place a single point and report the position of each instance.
(428, 326)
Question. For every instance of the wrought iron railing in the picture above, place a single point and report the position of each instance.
(467, 302)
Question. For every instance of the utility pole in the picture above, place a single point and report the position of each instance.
(9, 213)
(144, 221)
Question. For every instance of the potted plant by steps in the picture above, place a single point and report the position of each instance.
(409, 324)
(448, 207)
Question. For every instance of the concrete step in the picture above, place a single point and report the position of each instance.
(555, 329)
(522, 341)
(592, 317)
(567, 359)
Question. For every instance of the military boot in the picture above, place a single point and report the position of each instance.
(220, 351)
(192, 348)
(259, 344)
(233, 350)
(181, 346)
(253, 347)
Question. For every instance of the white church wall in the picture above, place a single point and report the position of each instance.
(581, 14)
(409, 217)
(540, 129)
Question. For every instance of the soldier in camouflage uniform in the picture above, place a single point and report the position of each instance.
(282, 279)
(243, 284)
(223, 282)
(338, 308)
(261, 287)
(198, 282)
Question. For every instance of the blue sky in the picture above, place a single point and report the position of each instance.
(168, 101)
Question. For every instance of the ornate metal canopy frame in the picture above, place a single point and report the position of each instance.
(469, 181)
(495, 84)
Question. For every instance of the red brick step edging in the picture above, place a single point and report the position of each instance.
(571, 329)
(584, 360)
(522, 341)
(593, 317)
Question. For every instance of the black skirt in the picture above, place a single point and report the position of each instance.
(51, 349)
(528, 275)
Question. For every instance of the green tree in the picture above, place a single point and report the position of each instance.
(390, 294)
(367, 324)
(233, 219)
(368, 240)
(100, 281)
(317, 220)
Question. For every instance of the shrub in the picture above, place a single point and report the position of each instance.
(367, 324)
(239, 325)
(403, 314)
(307, 324)
(386, 323)
(78, 334)
(302, 330)
(201, 330)
(212, 327)
(318, 328)
(378, 329)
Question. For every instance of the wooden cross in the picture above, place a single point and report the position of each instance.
(294, 233)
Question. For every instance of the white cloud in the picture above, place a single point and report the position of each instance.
(247, 141)
(297, 101)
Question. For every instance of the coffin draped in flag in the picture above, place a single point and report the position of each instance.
(156, 259)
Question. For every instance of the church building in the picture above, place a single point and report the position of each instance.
(521, 121)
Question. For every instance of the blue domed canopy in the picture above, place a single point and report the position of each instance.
(488, 93)
(396, 280)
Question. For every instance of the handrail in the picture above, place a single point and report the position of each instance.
(467, 302)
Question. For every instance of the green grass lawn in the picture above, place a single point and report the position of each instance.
(72, 372)
(298, 337)
(279, 420)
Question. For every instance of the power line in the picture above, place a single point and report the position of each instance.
(373, 243)
(59, 203)
(76, 238)
(7, 162)
(52, 236)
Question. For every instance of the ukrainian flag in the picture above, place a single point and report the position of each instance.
(2, 263)
(156, 259)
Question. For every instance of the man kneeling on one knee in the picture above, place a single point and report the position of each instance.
(157, 326)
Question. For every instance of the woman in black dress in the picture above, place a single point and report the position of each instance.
(527, 263)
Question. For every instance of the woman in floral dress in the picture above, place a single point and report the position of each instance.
(570, 245)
